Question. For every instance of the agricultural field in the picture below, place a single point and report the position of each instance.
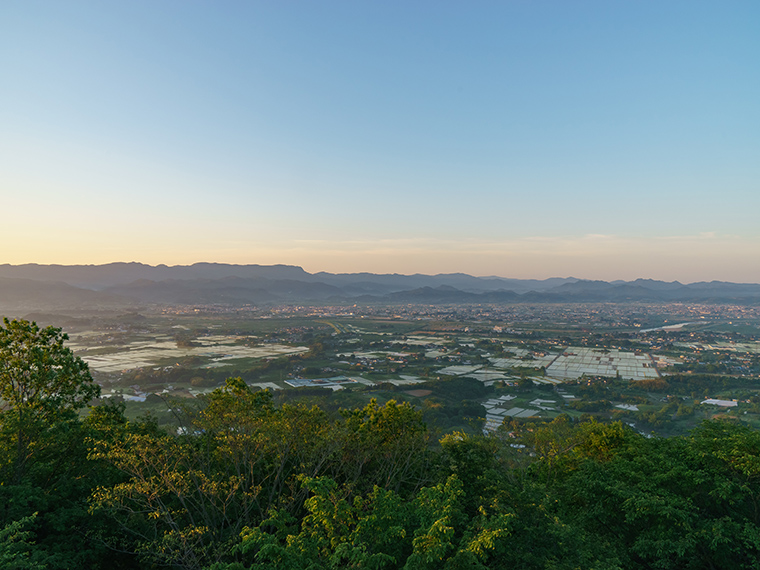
(463, 370)
(214, 350)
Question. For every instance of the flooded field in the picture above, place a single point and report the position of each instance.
(215, 351)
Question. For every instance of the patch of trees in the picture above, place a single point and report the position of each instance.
(694, 385)
(591, 406)
(526, 371)
(452, 405)
(607, 388)
(457, 388)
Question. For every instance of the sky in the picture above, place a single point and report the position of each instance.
(520, 138)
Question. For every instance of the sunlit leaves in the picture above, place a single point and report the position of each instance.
(384, 445)
(16, 547)
(42, 384)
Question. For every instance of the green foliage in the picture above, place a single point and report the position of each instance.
(187, 496)
(42, 384)
(676, 502)
(251, 484)
(452, 405)
(458, 388)
(559, 494)
(590, 405)
(335, 533)
(439, 510)
(384, 446)
(15, 546)
(43, 451)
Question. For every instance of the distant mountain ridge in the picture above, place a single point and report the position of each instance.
(128, 284)
(32, 295)
(111, 274)
(98, 277)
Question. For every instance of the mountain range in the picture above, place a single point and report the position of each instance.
(123, 285)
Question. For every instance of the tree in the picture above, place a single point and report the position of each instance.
(15, 546)
(668, 503)
(335, 532)
(186, 496)
(44, 472)
(41, 383)
(384, 446)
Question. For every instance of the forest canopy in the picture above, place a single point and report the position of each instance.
(242, 482)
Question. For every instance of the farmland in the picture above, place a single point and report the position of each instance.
(501, 363)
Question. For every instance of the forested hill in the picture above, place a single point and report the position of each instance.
(129, 284)
(240, 483)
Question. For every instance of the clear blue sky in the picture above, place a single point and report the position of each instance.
(599, 139)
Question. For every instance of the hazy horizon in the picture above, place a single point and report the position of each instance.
(597, 140)
(410, 273)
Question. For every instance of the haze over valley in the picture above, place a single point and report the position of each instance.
(123, 285)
